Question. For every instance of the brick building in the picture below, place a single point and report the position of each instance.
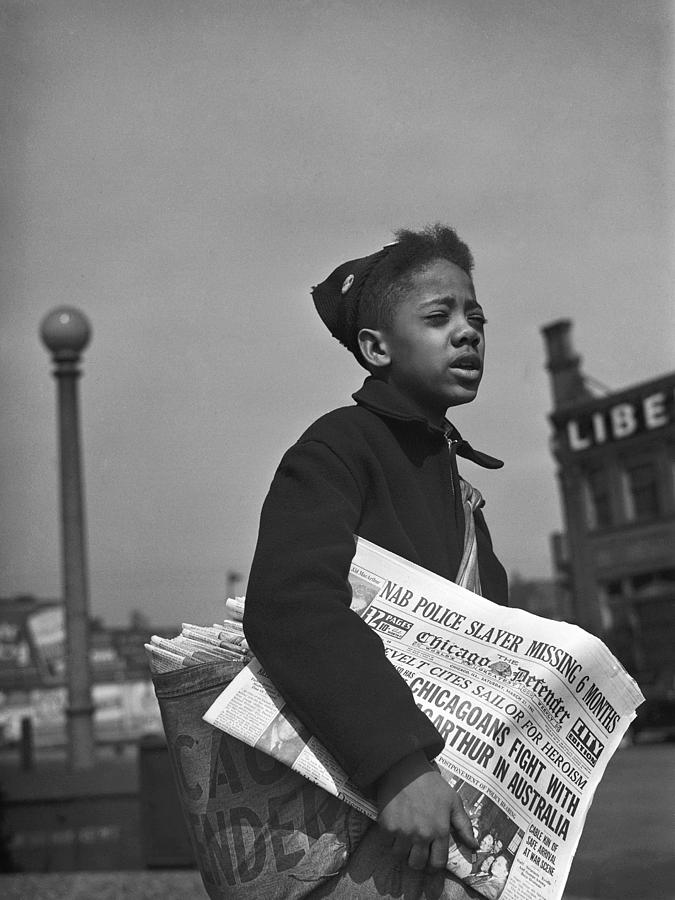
(615, 455)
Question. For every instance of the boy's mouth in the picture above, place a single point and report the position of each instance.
(468, 363)
(467, 368)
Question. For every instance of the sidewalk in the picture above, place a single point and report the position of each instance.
(155, 885)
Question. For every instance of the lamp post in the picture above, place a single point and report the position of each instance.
(65, 331)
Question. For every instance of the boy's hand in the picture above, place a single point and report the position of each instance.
(417, 809)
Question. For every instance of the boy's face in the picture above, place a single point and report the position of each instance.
(436, 343)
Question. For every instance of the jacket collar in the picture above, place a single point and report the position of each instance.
(382, 398)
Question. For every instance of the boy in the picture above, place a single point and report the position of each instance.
(383, 470)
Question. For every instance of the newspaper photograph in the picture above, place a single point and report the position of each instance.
(531, 711)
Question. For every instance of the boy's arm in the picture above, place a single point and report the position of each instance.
(328, 664)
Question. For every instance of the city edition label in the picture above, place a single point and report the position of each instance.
(621, 420)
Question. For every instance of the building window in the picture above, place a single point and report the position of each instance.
(654, 584)
(598, 505)
(641, 491)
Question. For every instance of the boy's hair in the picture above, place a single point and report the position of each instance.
(389, 280)
(364, 293)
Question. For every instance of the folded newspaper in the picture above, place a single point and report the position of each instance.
(531, 711)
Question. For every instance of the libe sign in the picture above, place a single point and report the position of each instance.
(623, 419)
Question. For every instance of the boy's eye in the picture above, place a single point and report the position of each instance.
(440, 317)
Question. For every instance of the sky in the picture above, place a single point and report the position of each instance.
(184, 172)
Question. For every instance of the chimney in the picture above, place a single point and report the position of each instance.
(567, 382)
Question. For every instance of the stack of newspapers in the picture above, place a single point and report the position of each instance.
(222, 642)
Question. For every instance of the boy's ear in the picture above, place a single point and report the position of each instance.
(374, 347)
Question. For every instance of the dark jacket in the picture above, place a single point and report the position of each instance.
(380, 471)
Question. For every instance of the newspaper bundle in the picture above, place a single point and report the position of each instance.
(222, 642)
(531, 711)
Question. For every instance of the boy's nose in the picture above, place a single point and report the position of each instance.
(466, 334)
